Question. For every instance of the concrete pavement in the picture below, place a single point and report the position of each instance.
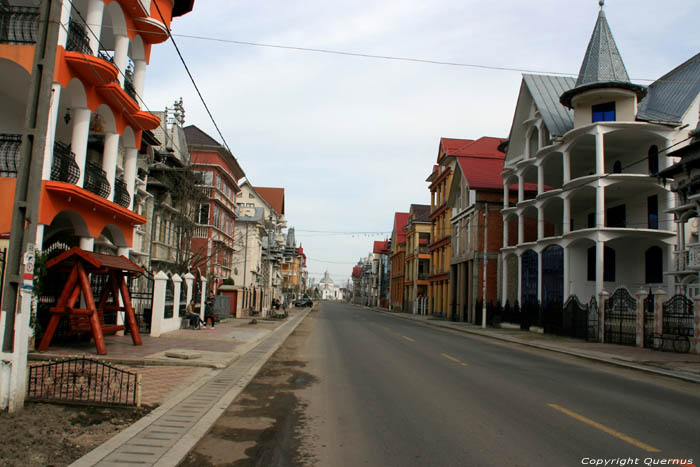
(676, 365)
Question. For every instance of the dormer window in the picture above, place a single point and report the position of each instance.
(603, 112)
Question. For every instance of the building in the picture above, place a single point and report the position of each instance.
(213, 237)
(328, 290)
(398, 245)
(477, 190)
(356, 278)
(441, 229)
(593, 147)
(417, 259)
(379, 295)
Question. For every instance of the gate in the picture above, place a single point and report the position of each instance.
(678, 316)
(621, 318)
(141, 293)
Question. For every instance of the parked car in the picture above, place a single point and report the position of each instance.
(302, 302)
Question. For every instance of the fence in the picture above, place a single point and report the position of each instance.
(83, 381)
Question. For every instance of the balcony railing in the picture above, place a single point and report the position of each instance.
(78, 40)
(9, 154)
(121, 193)
(129, 81)
(64, 167)
(96, 180)
(18, 25)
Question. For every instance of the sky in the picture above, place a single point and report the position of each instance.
(352, 139)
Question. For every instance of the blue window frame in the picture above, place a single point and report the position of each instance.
(604, 112)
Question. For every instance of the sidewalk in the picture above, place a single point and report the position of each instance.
(163, 376)
(676, 365)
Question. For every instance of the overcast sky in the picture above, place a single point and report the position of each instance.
(353, 139)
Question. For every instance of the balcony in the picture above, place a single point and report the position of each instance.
(64, 167)
(96, 180)
(121, 193)
(18, 25)
(78, 40)
(9, 154)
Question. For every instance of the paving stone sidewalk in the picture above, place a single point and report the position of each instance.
(683, 366)
(163, 376)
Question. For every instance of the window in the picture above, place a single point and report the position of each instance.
(218, 182)
(608, 264)
(653, 212)
(603, 112)
(208, 178)
(653, 265)
(250, 195)
(653, 159)
(203, 214)
(533, 142)
(239, 194)
(617, 216)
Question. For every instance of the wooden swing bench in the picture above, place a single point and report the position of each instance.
(90, 320)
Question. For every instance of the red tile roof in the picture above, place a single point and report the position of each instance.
(400, 221)
(272, 196)
(481, 163)
(453, 146)
(381, 246)
(357, 271)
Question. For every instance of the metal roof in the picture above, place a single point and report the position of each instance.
(545, 91)
(670, 96)
(602, 62)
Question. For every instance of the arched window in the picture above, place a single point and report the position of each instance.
(617, 167)
(653, 265)
(653, 160)
(533, 142)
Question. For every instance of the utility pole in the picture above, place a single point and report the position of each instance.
(14, 321)
(485, 260)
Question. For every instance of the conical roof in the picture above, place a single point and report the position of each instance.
(602, 65)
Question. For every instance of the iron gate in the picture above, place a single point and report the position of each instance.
(678, 316)
(141, 294)
(621, 318)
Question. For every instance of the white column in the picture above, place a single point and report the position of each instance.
(109, 160)
(566, 166)
(139, 76)
(521, 228)
(87, 243)
(189, 282)
(600, 206)
(599, 266)
(664, 160)
(65, 21)
(567, 285)
(506, 193)
(93, 17)
(566, 216)
(540, 223)
(505, 232)
(121, 46)
(51, 131)
(158, 313)
(521, 189)
(39, 239)
(81, 130)
(177, 284)
(599, 152)
(203, 295)
(667, 223)
(130, 173)
(540, 180)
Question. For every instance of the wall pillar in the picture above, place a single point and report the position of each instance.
(139, 76)
(540, 180)
(599, 206)
(540, 223)
(202, 298)
(521, 228)
(566, 216)
(599, 151)
(158, 313)
(130, 173)
(189, 282)
(87, 243)
(177, 284)
(521, 189)
(504, 281)
(566, 167)
(121, 47)
(65, 19)
(93, 18)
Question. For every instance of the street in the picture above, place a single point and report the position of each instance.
(386, 391)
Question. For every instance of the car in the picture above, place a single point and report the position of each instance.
(302, 302)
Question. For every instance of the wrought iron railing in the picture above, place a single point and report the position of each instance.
(83, 381)
(96, 180)
(18, 25)
(64, 167)
(78, 40)
(121, 193)
(9, 154)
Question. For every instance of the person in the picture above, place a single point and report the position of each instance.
(195, 320)
(209, 309)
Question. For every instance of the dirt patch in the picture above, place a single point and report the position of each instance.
(56, 435)
(265, 423)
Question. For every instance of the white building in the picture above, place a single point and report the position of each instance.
(328, 290)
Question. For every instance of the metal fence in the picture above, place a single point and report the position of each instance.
(678, 316)
(621, 318)
(83, 381)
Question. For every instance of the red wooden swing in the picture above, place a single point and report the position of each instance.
(78, 264)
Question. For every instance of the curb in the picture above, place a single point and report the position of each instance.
(611, 361)
(175, 455)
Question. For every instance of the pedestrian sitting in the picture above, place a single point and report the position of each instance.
(193, 316)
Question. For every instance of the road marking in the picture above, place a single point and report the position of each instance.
(450, 357)
(604, 428)
(408, 339)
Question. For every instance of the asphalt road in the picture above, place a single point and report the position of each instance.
(394, 393)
